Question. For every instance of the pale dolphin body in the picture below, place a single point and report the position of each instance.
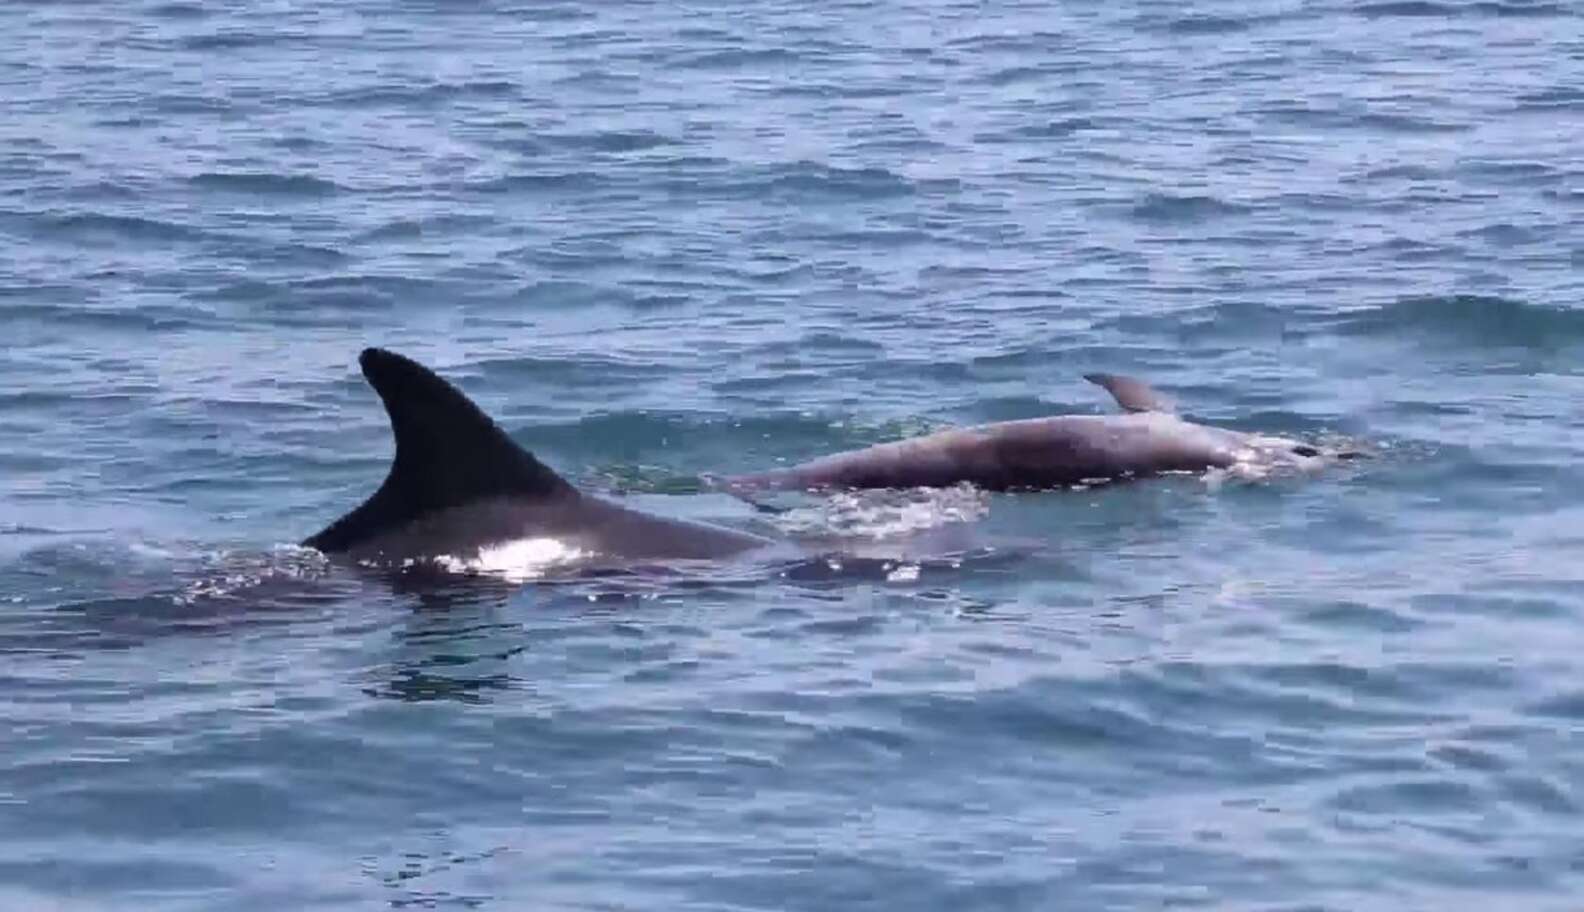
(1058, 451)
(460, 492)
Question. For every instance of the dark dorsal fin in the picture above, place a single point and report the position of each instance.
(448, 453)
(1132, 394)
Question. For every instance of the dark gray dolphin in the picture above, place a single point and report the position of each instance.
(463, 494)
(1058, 451)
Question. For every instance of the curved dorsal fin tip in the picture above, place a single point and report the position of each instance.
(449, 453)
(382, 367)
(369, 358)
(1131, 393)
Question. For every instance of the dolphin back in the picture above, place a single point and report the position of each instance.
(449, 453)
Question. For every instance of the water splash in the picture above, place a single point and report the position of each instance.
(886, 513)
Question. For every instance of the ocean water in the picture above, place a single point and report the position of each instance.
(657, 240)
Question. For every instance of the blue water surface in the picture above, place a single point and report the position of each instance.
(663, 239)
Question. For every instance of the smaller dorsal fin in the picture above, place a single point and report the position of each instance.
(1132, 394)
(448, 453)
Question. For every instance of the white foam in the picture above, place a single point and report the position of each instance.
(517, 560)
(887, 513)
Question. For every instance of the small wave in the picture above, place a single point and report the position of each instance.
(659, 301)
(101, 191)
(609, 141)
(859, 239)
(98, 226)
(1423, 8)
(393, 286)
(123, 318)
(126, 122)
(567, 372)
(544, 183)
(310, 255)
(298, 143)
(1367, 120)
(405, 229)
(539, 12)
(596, 80)
(1206, 25)
(190, 104)
(1402, 123)
(1360, 617)
(566, 295)
(1164, 207)
(834, 341)
(811, 179)
(1555, 98)
(737, 58)
(1427, 9)
(1410, 172)
(266, 184)
(1477, 319)
(328, 300)
(415, 95)
(1011, 42)
(327, 305)
(1017, 75)
(235, 40)
(1503, 234)
(1564, 706)
(25, 529)
(1055, 129)
(1522, 9)
(803, 182)
(1419, 796)
(852, 89)
(178, 11)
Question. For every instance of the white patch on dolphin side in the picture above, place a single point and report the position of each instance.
(1250, 463)
(1253, 469)
(517, 560)
(1259, 457)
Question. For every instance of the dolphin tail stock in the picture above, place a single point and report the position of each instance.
(1133, 394)
(448, 453)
